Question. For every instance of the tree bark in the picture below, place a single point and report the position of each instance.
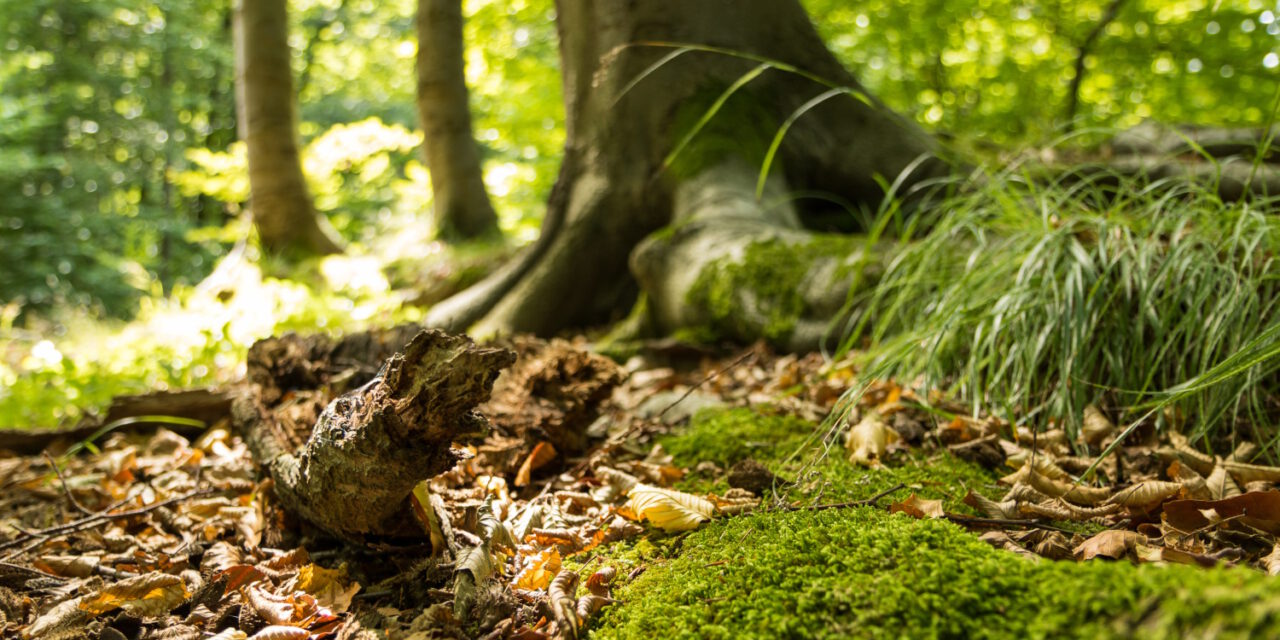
(460, 205)
(352, 473)
(283, 213)
(614, 189)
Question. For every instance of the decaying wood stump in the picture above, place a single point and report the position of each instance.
(370, 446)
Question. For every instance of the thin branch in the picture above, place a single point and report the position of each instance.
(100, 518)
(1004, 523)
(66, 490)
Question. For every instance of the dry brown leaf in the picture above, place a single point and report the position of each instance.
(147, 595)
(917, 507)
(1198, 460)
(990, 508)
(1272, 561)
(1192, 482)
(281, 632)
(68, 566)
(599, 582)
(1220, 484)
(1145, 494)
(1245, 473)
(1075, 494)
(542, 453)
(591, 604)
(869, 440)
(1112, 543)
(539, 570)
(1001, 540)
(667, 509)
(332, 588)
(1096, 426)
(564, 605)
(1259, 510)
(63, 616)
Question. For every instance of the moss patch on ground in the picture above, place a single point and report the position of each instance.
(862, 572)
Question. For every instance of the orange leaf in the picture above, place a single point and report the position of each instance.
(542, 453)
(918, 508)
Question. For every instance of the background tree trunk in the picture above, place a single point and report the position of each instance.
(283, 213)
(613, 189)
(461, 206)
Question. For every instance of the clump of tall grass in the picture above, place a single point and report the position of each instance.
(1034, 301)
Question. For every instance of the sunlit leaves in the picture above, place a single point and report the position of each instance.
(667, 509)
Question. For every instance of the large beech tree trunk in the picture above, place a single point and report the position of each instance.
(613, 189)
(283, 213)
(460, 204)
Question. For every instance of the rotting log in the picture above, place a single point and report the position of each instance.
(353, 475)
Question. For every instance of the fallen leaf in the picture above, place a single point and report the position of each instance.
(1112, 543)
(599, 582)
(281, 632)
(539, 570)
(917, 507)
(990, 508)
(542, 453)
(63, 616)
(667, 509)
(869, 440)
(1145, 494)
(1244, 473)
(1096, 426)
(1272, 561)
(1220, 484)
(564, 604)
(150, 594)
(331, 587)
(1259, 510)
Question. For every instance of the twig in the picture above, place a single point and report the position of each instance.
(66, 490)
(1004, 523)
(709, 378)
(99, 518)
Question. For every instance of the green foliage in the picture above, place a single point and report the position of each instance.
(1000, 70)
(863, 573)
(1036, 302)
(197, 337)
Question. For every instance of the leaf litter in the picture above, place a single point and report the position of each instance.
(156, 535)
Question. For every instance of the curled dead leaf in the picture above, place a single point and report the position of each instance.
(600, 581)
(1148, 493)
(1272, 561)
(281, 632)
(564, 606)
(1244, 473)
(990, 508)
(1096, 426)
(1259, 510)
(539, 570)
(1073, 493)
(869, 440)
(542, 453)
(1220, 484)
(1203, 463)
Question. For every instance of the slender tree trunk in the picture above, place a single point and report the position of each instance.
(460, 204)
(623, 118)
(283, 213)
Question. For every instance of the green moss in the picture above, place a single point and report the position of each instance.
(865, 573)
(766, 283)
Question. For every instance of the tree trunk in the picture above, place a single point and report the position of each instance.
(614, 190)
(460, 204)
(283, 213)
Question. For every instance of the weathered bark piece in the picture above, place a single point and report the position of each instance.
(372, 445)
(553, 393)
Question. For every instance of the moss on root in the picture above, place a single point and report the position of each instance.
(863, 573)
(761, 295)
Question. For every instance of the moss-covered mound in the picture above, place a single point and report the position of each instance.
(861, 572)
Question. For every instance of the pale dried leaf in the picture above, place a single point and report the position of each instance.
(669, 510)
(1220, 484)
(68, 566)
(1075, 494)
(1244, 473)
(1192, 482)
(1001, 540)
(63, 616)
(1272, 561)
(990, 508)
(869, 440)
(1145, 494)
(1096, 426)
(281, 632)
(591, 604)
(1190, 456)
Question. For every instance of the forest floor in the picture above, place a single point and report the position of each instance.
(685, 493)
